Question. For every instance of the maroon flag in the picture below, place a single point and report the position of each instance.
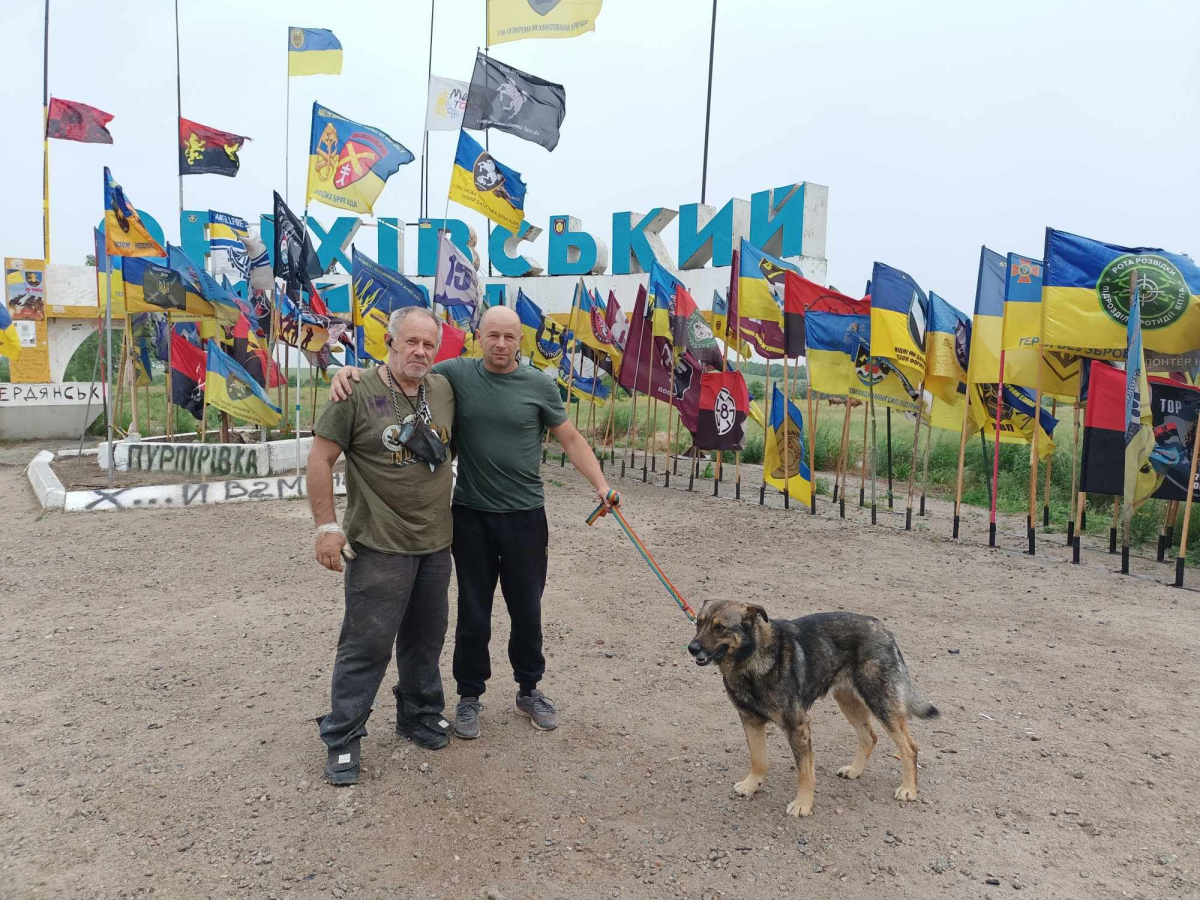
(642, 368)
(724, 404)
(71, 121)
(208, 151)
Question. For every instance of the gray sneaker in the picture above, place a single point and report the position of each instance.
(466, 718)
(539, 710)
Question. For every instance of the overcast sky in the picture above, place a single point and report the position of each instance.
(937, 125)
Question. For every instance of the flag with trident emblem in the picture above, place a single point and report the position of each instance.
(349, 163)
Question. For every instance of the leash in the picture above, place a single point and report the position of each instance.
(600, 511)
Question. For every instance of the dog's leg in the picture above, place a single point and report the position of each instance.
(800, 737)
(756, 738)
(859, 716)
(898, 730)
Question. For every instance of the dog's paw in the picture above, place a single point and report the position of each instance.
(904, 794)
(848, 772)
(748, 786)
(796, 808)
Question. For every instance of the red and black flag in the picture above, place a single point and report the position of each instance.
(187, 375)
(208, 151)
(1102, 466)
(67, 120)
(801, 295)
(724, 404)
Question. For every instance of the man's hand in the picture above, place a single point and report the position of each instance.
(329, 550)
(602, 492)
(341, 387)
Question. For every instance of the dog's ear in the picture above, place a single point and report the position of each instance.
(752, 611)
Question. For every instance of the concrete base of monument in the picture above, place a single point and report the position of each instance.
(52, 495)
(41, 411)
(182, 455)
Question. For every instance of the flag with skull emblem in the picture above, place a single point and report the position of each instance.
(724, 404)
(510, 100)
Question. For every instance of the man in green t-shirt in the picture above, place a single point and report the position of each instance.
(500, 530)
(395, 434)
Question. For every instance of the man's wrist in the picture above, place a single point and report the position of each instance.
(330, 528)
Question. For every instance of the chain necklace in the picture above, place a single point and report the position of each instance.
(420, 409)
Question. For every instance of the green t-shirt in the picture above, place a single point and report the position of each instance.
(501, 420)
(394, 504)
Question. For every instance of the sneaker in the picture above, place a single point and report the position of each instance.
(539, 710)
(428, 730)
(466, 718)
(342, 766)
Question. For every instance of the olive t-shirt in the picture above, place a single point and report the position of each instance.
(394, 504)
(501, 420)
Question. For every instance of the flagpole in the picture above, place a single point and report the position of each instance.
(767, 398)
(1049, 468)
(712, 44)
(1165, 539)
(912, 468)
(874, 451)
(667, 467)
(996, 454)
(787, 429)
(1033, 456)
(46, 142)
(631, 431)
(109, 367)
(812, 437)
(925, 475)
(610, 430)
(889, 455)
(1138, 364)
(862, 479)
(562, 461)
(1112, 529)
(1081, 496)
(841, 465)
(1075, 455)
(652, 431)
(720, 454)
(1187, 510)
(178, 113)
(424, 204)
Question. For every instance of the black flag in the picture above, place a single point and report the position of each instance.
(508, 99)
(295, 260)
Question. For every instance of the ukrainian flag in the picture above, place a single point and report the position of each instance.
(757, 272)
(124, 232)
(948, 343)
(660, 299)
(899, 314)
(539, 344)
(797, 478)
(830, 340)
(10, 343)
(226, 305)
(378, 292)
(313, 51)
(987, 325)
(232, 389)
(483, 183)
(155, 289)
(1023, 333)
(349, 163)
(1086, 297)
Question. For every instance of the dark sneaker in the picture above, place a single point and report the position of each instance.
(342, 766)
(428, 730)
(539, 710)
(466, 718)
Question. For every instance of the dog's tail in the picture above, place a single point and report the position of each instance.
(920, 707)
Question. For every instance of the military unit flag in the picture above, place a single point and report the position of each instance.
(208, 151)
(515, 20)
(899, 312)
(150, 287)
(515, 102)
(294, 260)
(456, 282)
(313, 51)
(948, 341)
(724, 405)
(786, 431)
(760, 275)
(541, 338)
(67, 120)
(187, 375)
(124, 232)
(483, 183)
(378, 292)
(349, 163)
(231, 389)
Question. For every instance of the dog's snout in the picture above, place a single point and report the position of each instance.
(694, 647)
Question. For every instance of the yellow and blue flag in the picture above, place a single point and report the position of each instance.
(660, 299)
(1086, 297)
(313, 51)
(899, 315)
(831, 343)
(226, 305)
(587, 384)
(1016, 417)
(150, 287)
(515, 20)
(378, 292)
(10, 342)
(1023, 333)
(232, 389)
(948, 342)
(797, 480)
(760, 277)
(541, 341)
(124, 232)
(483, 183)
(987, 325)
(349, 163)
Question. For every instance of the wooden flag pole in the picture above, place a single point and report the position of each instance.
(912, 468)
(843, 451)
(575, 301)
(651, 433)
(767, 392)
(1049, 467)
(667, 468)
(925, 475)
(1168, 535)
(812, 451)
(1187, 510)
(204, 407)
(133, 380)
(962, 451)
(787, 431)
(1031, 525)
(874, 451)
(610, 432)
(631, 431)
(888, 418)
(862, 480)
(1075, 457)
(1112, 529)
(170, 430)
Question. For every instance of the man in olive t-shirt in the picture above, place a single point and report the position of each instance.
(500, 529)
(395, 433)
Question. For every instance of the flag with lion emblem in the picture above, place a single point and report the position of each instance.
(798, 478)
(348, 163)
(515, 102)
(724, 405)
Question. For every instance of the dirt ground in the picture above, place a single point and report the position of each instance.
(160, 672)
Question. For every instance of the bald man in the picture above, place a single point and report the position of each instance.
(500, 531)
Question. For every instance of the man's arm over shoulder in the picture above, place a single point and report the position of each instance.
(450, 369)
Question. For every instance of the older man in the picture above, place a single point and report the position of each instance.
(500, 530)
(395, 434)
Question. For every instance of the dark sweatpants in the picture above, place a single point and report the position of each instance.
(510, 547)
(389, 599)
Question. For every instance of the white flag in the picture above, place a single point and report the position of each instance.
(456, 282)
(447, 101)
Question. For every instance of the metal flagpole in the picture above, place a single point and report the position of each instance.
(178, 114)
(46, 138)
(424, 204)
(712, 43)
